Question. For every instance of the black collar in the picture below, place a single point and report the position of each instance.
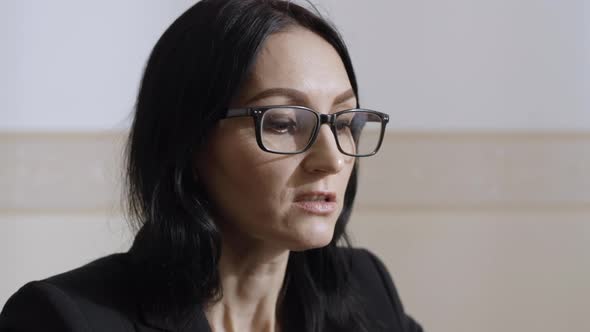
(192, 320)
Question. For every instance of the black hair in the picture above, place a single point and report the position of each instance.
(194, 71)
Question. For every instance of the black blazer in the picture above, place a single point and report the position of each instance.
(98, 297)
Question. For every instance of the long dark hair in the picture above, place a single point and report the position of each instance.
(193, 72)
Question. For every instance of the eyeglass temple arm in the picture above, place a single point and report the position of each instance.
(236, 112)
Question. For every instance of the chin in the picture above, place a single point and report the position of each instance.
(320, 235)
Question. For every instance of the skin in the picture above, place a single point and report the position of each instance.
(253, 191)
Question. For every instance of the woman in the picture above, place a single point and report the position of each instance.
(241, 173)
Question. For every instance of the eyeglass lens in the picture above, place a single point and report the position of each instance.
(288, 130)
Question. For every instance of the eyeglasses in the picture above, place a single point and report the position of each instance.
(294, 129)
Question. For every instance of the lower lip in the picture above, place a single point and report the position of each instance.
(317, 207)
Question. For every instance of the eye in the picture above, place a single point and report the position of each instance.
(343, 122)
(280, 125)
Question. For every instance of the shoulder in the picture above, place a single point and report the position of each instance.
(377, 290)
(93, 296)
(371, 273)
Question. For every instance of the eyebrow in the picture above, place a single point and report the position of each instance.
(297, 96)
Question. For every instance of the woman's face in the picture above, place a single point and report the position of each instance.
(272, 199)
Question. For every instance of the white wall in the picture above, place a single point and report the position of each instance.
(483, 64)
(452, 64)
(76, 65)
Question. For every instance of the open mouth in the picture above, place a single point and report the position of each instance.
(316, 197)
(318, 203)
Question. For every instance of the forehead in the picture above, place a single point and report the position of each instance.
(298, 59)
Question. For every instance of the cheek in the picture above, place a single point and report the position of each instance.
(245, 183)
(268, 187)
(343, 179)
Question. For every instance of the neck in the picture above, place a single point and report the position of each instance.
(251, 280)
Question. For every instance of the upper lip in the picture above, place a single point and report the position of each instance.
(329, 196)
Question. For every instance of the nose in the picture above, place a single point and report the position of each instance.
(324, 156)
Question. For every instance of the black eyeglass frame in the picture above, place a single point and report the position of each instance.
(258, 112)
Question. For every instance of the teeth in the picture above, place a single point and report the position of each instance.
(317, 198)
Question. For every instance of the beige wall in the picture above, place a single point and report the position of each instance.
(481, 231)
